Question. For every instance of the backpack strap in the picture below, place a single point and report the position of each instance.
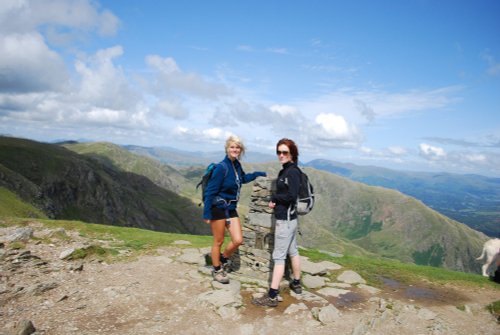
(292, 207)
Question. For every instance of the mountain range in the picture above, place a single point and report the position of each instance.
(66, 185)
(107, 183)
(470, 199)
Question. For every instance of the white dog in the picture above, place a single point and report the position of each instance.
(491, 249)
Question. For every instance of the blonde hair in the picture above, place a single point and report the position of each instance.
(233, 139)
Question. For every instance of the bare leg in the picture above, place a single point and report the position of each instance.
(278, 271)
(236, 237)
(218, 229)
(295, 266)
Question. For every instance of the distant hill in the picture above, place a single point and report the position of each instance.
(104, 183)
(182, 158)
(470, 199)
(182, 179)
(116, 156)
(66, 185)
(388, 223)
(379, 220)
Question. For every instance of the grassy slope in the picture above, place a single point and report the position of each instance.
(12, 206)
(101, 188)
(139, 241)
(471, 199)
(161, 174)
(387, 223)
(349, 217)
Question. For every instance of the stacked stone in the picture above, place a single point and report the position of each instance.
(258, 228)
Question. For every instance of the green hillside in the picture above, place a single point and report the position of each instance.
(161, 174)
(388, 223)
(354, 218)
(66, 185)
(12, 206)
(106, 184)
(470, 199)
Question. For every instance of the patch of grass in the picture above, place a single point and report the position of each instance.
(494, 309)
(372, 269)
(132, 238)
(361, 228)
(92, 250)
(16, 245)
(12, 206)
(60, 235)
(433, 256)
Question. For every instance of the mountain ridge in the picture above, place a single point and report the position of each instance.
(66, 185)
(379, 220)
(470, 199)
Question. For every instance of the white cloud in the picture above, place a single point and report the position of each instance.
(193, 135)
(35, 84)
(366, 150)
(475, 158)
(172, 80)
(361, 106)
(102, 83)
(334, 131)
(398, 151)
(164, 65)
(431, 153)
(28, 65)
(284, 110)
(172, 108)
(59, 16)
(333, 125)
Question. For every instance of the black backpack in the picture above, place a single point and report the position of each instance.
(206, 177)
(305, 201)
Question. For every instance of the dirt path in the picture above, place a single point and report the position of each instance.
(159, 295)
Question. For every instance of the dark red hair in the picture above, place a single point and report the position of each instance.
(294, 151)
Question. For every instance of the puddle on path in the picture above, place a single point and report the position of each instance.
(348, 300)
(421, 293)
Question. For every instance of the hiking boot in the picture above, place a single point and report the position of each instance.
(220, 276)
(265, 300)
(296, 287)
(227, 265)
(225, 262)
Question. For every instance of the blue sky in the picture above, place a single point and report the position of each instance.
(411, 85)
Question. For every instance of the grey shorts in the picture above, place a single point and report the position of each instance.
(285, 240)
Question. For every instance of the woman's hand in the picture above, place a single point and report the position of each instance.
(272, 204)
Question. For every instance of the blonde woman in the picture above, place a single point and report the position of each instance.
(220, 202)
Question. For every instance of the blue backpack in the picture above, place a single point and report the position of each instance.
(206, 177)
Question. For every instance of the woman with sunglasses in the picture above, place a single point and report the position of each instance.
(220, 201)
(285, 235)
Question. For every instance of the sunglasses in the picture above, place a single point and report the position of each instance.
(284, 153)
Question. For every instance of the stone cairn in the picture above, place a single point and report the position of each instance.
(258, 230)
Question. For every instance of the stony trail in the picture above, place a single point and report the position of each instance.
(171, 292)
